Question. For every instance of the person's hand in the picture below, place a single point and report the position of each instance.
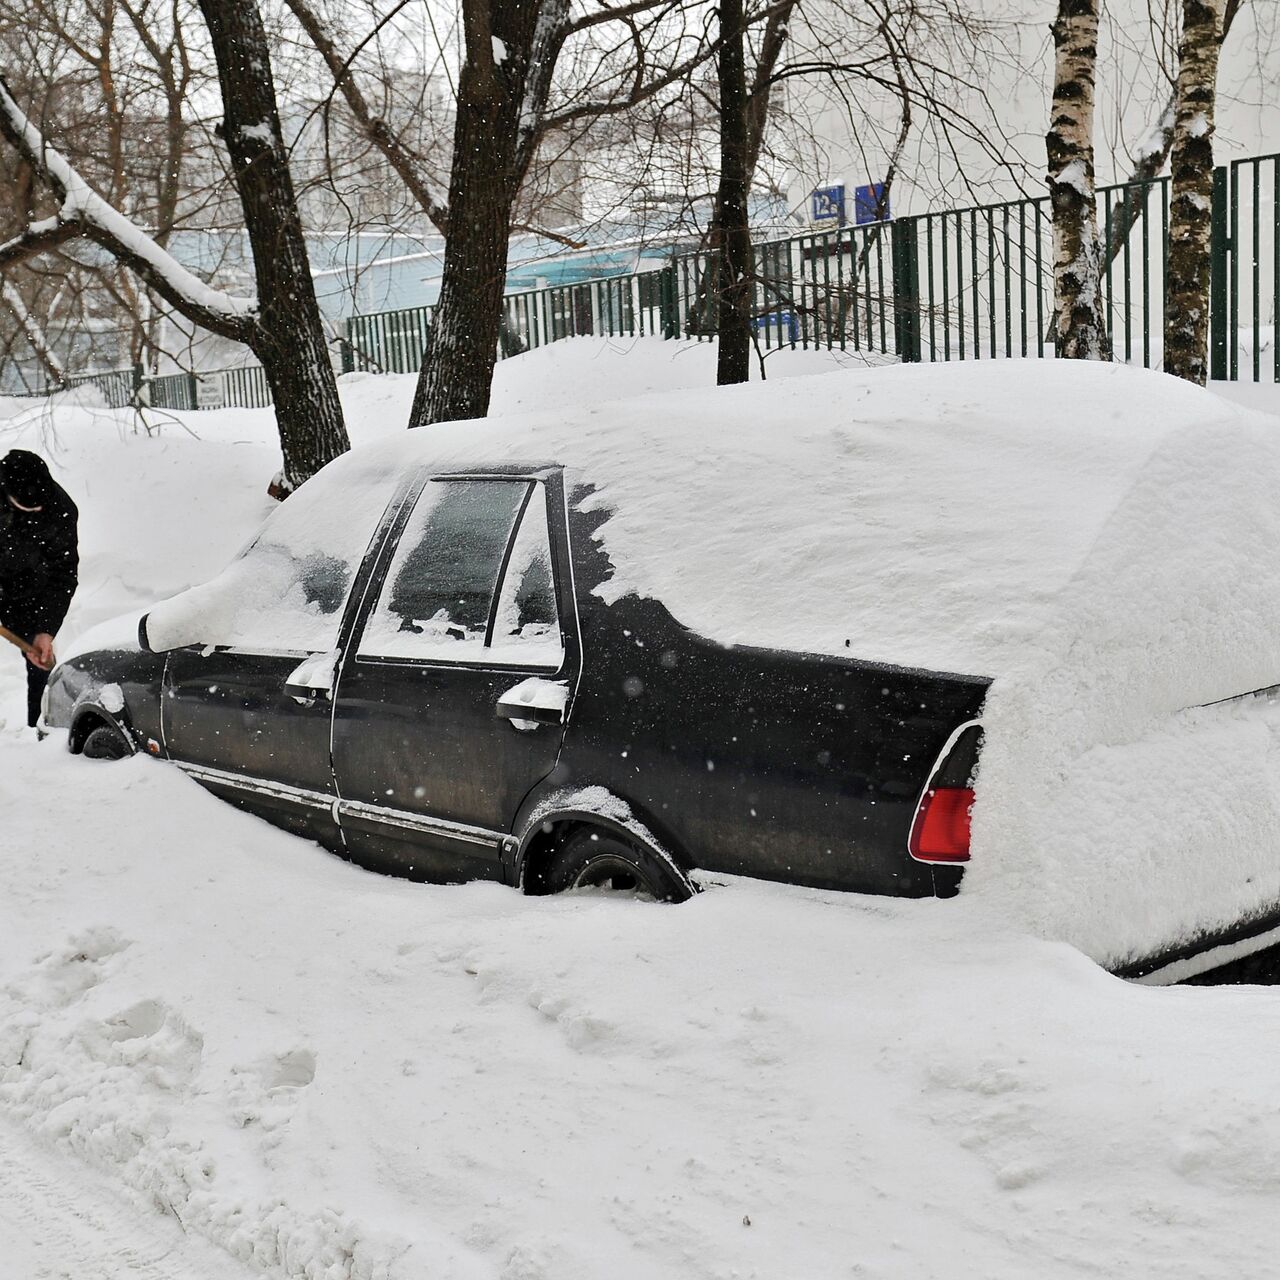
(42, 651)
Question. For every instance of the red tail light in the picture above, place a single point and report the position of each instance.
(940, 832)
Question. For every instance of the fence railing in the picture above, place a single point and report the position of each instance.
(963, 284)
(244, 387)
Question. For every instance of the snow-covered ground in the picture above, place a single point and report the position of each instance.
(213, 1034)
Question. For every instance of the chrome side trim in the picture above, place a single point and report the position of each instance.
(258, 786)
(406, 820)
(1207, 960)
(336, 807)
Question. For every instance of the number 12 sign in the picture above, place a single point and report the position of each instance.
(828, 205)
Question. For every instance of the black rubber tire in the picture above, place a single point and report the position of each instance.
(597, 859)
(105, 743)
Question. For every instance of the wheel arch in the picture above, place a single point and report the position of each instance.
(89, 716)
(546, 821)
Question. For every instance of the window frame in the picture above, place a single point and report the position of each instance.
(551, 478)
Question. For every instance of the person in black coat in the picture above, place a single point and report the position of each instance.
(39, 562)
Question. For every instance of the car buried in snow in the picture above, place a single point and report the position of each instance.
(779, 631)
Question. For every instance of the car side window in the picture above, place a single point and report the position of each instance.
(437, 599)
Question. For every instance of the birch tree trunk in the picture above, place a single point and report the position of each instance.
(1152, 156)
(288, 337)
(1186, 308)
(734, 305)
(1081, 333)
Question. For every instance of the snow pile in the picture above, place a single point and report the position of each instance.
(331, 1074)
(335, 1075)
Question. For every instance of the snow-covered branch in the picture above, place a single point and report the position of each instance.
(31, 328)
(84, 213)
(39, 237)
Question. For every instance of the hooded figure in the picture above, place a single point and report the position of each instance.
(39, 560)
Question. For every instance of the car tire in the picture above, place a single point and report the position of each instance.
(105, 743)
(595, 859)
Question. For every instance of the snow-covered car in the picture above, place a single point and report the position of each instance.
(787, 631)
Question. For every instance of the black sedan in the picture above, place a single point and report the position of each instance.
(477, 711)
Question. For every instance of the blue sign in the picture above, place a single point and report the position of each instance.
(787, 323)
(828, 205)
(871, 204)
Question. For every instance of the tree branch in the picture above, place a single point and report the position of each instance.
(82, 209)
(432, 202)
(39, 237)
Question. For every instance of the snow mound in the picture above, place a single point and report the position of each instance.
(931, 517)
(1099, 540)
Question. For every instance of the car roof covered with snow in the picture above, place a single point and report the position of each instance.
(939, 517)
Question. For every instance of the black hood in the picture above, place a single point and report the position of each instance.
(25, 478)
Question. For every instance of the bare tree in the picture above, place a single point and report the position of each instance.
(1152, 154)
(115, 85)
(282, 325)
(1081, 332)
(1186, 312)
(288, 337)
(531, 72)
(33, 331)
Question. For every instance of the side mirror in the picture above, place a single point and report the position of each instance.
(143, 643)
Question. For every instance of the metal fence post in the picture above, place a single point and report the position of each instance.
(669, 302)
(906, 290)
(348, 353)
(1219, 247)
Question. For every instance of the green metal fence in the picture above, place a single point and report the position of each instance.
(243, 387)
(963, 284)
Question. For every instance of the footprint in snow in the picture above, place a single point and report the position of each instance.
(61, 977)
(152, 1038)
(264, 1094)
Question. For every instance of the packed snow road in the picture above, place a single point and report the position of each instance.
(225, 1053)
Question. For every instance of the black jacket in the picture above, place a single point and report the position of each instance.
(39, 562)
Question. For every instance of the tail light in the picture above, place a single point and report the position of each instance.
(940, 832)
(940, 828)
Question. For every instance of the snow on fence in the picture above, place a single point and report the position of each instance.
(963, 284)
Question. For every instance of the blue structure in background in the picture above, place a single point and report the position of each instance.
(867, 204)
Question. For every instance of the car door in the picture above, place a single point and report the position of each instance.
(246, 705)
(459, 677)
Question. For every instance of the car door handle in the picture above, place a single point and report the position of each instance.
(312, 679)
(533, 702)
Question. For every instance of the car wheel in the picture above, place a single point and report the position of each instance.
(105, 743)
(601, 860)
